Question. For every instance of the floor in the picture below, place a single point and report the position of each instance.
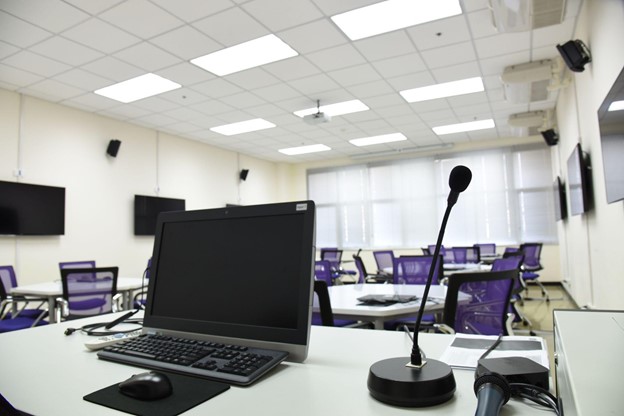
(540, 313)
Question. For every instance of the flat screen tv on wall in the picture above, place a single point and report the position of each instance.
(561, 210)
(28, 209)
(147, 208)
(579, 181)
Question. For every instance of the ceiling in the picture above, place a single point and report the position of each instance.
(63, 50)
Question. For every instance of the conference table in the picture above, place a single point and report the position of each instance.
(48, 373)
(54, 289)
(345, 303)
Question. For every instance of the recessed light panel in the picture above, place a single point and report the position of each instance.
(291, 151)
(243, 127)
(384, 138)
(336, 109)
(137, 88)
(392, 15)
(464, 127)
(245, 55)
(447, 89)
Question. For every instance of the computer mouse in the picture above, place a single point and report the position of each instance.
(146, 386)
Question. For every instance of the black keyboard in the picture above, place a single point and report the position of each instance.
(233, 364)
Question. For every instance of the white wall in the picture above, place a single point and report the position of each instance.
(592, 245)
(61, 146)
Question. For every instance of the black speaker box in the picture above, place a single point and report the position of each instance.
(550, 136)
(113, 147)
(575, 54)
(243, 174)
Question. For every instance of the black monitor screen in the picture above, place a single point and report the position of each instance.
(27, 209)
(147, 208)
(243, 272)
(561, 211)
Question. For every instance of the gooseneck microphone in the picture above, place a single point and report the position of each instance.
(413, 382)
(492, 391)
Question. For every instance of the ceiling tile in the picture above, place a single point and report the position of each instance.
(52, 15)
(114, 69)
(481, 24)
(93, 7)
(38, 64)
(314, 36)
(449, 55)
(66, 51)
(18, 77)
(50, 88)
(6, 50)
(100, 36)
(355, 75)
(443, 32)
(20, 33)
(252, 78)
(376, 48)
(231, 27)
(83, 79)
(242, 100)
(141, 18)
(185, 74)
(147, 56)
(313, 85)
(400, 65)
(274, 93)
(279, 15)
(186, 42)
(337, 57)
(502, 44)
(292, 68)
(216, 88)
(192, 10)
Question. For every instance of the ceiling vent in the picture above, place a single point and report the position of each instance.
(529, 82)
(523, 15)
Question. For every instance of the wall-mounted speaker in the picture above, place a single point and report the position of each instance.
(575, 54)
(243, 174)
(550, 136)
(113, 147)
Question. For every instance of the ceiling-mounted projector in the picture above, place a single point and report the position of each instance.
(317, 118)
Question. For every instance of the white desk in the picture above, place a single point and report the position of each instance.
(346, 306)
(52, 372)
(53, 290)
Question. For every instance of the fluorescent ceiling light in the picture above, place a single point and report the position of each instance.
(616, 105)
(463, 127)
(336, 109)
(243, 127)
(384, 138)
(245, 55)
(393, 15)
(137, 88)
(446, 89)
(313, 148)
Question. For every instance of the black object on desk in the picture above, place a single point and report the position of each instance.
(188, 392)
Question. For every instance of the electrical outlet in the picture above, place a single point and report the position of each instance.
(18, 173)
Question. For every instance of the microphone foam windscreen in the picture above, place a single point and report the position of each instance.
(460, 178)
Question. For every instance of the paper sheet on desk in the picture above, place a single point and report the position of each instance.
(466, 349)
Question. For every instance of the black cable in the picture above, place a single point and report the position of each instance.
(92, 329)
(535, 394)
(492, 347)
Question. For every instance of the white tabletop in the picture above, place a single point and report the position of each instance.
(332, 381)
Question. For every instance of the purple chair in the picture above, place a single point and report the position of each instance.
(365, 277)
(485, 312)
(88, 291)
(334, 256)
(465, 255)
(326, 317)
(76, 264)
(384, 260)
(18, 321)
(414, 270)
(323, 271)
(531, 265)
(514, 262)
(8, 280)
(486, 249)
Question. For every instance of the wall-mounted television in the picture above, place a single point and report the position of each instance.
(611, 120)
(579, 181)
(559, 193)
(28, 209)
(147, 208)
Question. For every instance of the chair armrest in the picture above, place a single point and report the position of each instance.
(444, 328)
(116, 306)
(62, 309)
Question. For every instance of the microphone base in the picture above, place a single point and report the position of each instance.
(392, 382)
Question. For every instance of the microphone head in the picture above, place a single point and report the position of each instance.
(460, 178)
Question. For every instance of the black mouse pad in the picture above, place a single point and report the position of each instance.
(188, 392)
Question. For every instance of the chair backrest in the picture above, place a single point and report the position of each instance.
(426, 251)
(323, 271)
(8, 278)
(76, 264)
(359, 265)
(384, 259)
(464, 255)
(532, 252)
(485, 312)
(511, 262)
(327, 316)
(486, 249)
(414, 270)
(333, 256)
(89, 291)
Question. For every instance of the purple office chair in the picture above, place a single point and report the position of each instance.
(486, 311)
(384, 260)
(8, 280)
(365, 277)
(18, 321)
(323, 271)
(465, 255)
(76, 264)
(414, 270)
(89, 292)
(513, 261)
(326, 317)
(334, 256)
(140, 298)
(531, 265)
(486, 249)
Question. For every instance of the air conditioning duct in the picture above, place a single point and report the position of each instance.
(530, 123)
(523, 15)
